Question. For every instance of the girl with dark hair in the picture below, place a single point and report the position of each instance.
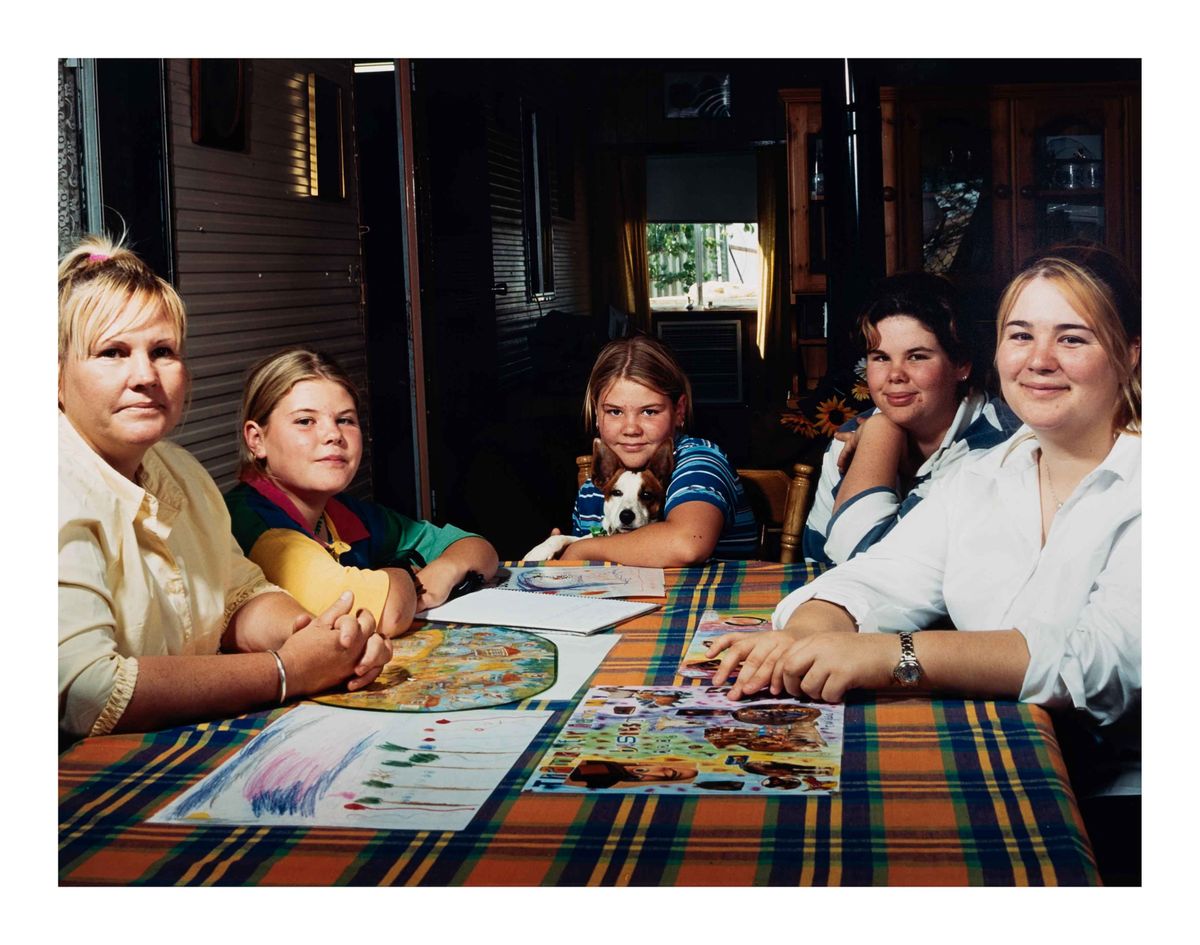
(930, 412)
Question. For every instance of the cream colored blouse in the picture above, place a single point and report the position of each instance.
(144, 569)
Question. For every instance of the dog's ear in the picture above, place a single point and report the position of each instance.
(662, 463)
(604, 462)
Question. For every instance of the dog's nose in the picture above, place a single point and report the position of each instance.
(627, 516)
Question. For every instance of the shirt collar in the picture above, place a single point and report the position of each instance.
(155, 491)
(1122, 461)
(967, 413)
(346, 524)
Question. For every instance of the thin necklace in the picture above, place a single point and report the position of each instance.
(1050, 482)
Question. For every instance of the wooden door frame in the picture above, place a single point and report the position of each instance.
(412, 289)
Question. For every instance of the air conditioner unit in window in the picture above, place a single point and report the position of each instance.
(710, 351)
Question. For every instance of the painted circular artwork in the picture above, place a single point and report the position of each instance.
(452, 668)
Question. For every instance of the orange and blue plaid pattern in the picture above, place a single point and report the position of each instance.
(935, 791)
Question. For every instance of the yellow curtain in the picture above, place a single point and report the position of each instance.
(769, 285)
(630, 281)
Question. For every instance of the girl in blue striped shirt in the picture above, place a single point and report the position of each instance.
(637, 399)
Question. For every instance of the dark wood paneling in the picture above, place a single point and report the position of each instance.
(261, 264)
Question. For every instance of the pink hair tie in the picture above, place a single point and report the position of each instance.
(97, 257)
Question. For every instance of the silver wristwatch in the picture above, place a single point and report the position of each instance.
(908, 672)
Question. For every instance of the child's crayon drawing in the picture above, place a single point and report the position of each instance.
(447, 669)
(584, 580)
(696, 663)
(326, 767)
(669, 740)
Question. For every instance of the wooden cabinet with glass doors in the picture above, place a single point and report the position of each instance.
(977, 180)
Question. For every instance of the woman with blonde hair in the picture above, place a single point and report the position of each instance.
(151, 585)
(639, 403)
(301, 445)
(1033, 549)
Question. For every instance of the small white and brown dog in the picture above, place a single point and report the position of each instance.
(632, 497)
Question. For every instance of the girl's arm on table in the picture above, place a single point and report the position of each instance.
(687, 536)
(447, 570)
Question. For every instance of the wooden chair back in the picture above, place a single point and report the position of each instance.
(583, 470)
(780, 502)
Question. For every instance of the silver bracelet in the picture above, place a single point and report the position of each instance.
(282, 677)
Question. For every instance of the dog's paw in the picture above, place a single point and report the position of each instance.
(549, 549)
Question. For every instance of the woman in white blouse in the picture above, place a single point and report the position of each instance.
(151, 584)
(1034, 547)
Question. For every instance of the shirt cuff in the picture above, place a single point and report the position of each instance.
(235, 603)
(118, 699)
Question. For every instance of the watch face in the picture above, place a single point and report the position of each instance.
(907, 673)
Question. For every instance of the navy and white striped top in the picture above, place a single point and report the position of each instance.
(702, 474)
(830, 538)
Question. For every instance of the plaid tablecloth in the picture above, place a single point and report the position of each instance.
(935, 791)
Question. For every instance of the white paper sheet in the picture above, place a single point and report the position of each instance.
(536, 611)
(320, 766)
(578, 659)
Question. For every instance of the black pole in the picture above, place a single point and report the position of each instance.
(852, 132)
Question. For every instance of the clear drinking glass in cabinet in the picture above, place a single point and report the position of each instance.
(1069, 203)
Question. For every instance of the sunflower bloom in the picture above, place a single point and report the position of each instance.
(798, 423)
(860, 391)
(831, 414)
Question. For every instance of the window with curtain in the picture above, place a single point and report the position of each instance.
(702, 248)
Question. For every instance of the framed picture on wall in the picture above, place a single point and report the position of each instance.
(697, 94)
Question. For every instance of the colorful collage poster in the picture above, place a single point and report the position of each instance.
(696, 663)
(668, 740)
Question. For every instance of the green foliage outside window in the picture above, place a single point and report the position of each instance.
(667, 242)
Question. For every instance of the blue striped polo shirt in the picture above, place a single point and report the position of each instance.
(702, 474)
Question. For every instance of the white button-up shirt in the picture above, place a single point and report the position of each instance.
(972, 549)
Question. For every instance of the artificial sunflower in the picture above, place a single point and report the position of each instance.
(798, 423)
(831, 414)
(860, 391)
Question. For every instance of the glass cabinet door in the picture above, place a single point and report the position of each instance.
(1069, 160)
(946, 170)
(1069, 190)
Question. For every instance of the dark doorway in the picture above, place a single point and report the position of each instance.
(387, 320)
(132, 155)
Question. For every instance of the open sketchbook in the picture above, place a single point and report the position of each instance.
(561, 612)
(693, 740)
(617, 580)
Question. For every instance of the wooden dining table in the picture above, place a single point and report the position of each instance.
(934, 790)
